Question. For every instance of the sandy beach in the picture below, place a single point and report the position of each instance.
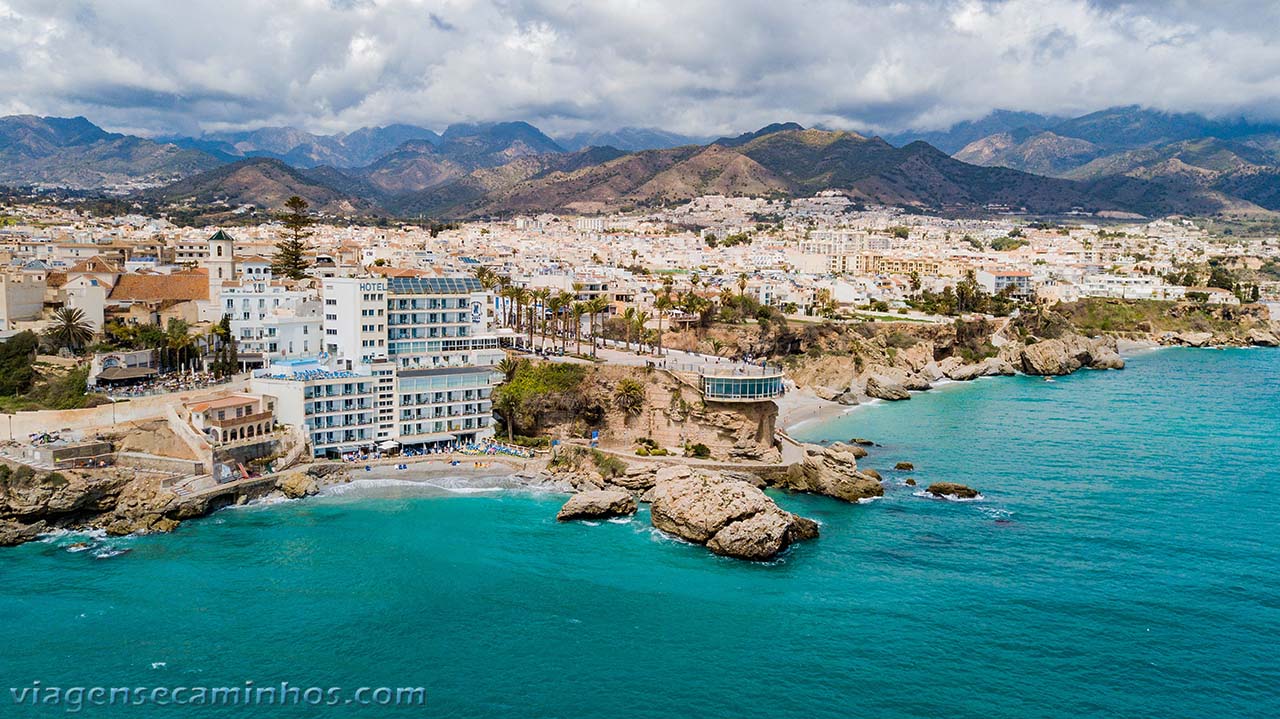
(801, 406)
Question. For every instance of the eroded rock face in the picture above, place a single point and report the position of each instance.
(856, 450)
(832, 472)
(13, 533)
(954, 368)
(1067, 354)
(1193, 339)
(1263, 338)
(729, 516)
(597, 504)
(910, 379)
(637, 478)
(881, 388)
(297, 484)
(761, 536)
(117, 501)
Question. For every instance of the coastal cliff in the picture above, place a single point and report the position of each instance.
(850, 363)
(121, 501)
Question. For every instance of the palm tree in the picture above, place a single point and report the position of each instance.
(178, 341)
(555, 303)
(576, 311)
(629, 396)
(506, 405)
(716, 346)
(566, 303)
(520, 298)
(640, 319)
(508, 367)
(662, 304)
(70, 329)
(742, 285)
(597, 306)
(628, 323)
(508, 297)
(488, 278)
(540, 297)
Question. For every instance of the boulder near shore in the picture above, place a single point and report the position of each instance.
(598, 504)
(883, 388)
(730, 517)
(952, 490)
(1066, 355)
(830, 471)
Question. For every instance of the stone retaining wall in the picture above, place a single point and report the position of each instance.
(157, 463)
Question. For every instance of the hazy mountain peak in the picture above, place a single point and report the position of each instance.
(770, 129)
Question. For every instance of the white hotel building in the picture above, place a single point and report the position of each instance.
(406, 361)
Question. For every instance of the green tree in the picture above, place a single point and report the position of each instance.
(508, 368)
(17, 359)
(597, 306)
(291, 254)
(70, 329)
(629, 396)
(506, 405)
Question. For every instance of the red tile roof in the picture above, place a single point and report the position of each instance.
(188, 285)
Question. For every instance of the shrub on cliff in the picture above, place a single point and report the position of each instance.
(537, 390)
(17, 355)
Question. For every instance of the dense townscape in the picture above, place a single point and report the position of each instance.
(236, 352)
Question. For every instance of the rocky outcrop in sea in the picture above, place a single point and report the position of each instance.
(1064, 355)
(832, 472)
(598, 504)
(729, 516)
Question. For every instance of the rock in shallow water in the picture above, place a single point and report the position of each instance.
(730, 517)
(881, 388)
(597, 504)
(297, 484)
(831, 472)
(952, 489)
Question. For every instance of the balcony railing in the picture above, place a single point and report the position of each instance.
(237, 421)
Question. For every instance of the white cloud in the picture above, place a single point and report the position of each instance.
(699, 67)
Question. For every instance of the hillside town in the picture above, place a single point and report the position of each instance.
(360, 341)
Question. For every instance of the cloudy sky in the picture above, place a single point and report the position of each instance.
(693, 66)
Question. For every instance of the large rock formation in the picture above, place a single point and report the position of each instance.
(729, 516)
(297, 485)
(882, 388)
(115, 500)
(955, 368)
(832, 472)
(597, 504)
(1193, 339)
(1065, 355)
(1262, 338)
(858, 451)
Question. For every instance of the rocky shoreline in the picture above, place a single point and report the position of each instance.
(121, 502)
(717, 505)
(724, 510)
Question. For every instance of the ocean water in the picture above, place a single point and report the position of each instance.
(1124, 562)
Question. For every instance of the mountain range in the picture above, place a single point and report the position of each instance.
(1130, 160)
(1234, 162)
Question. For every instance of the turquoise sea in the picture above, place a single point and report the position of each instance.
(1125, 562)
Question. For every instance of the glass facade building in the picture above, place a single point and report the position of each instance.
(742, 388)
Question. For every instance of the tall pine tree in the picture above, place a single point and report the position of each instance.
(291, 254)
